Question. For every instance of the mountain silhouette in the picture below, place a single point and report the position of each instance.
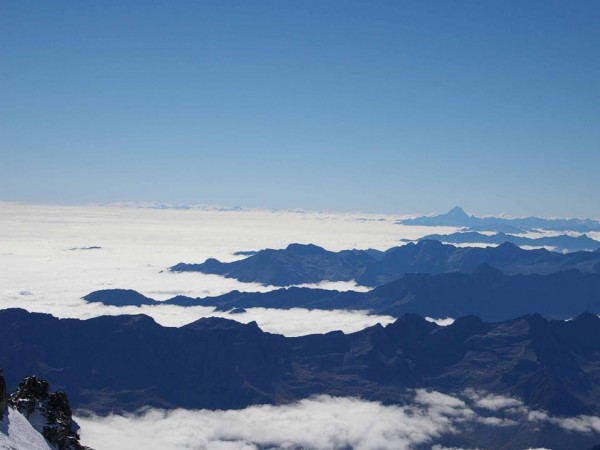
(117, 363)
(562, 243)
(295, 264)
(298, 264)
(457, 217)
(486, 292)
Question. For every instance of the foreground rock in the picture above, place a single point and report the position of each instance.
(47, 414)
(3, 395)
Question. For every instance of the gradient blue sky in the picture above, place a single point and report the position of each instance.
(383, 106)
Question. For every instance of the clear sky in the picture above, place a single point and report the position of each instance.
(383, 106)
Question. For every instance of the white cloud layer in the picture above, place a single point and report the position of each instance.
(319, 423)
(322, 423)
(40, 272)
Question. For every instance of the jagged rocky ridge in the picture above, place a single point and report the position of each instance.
(49, 412)
(457, 217)
(126, 362)
(487, 293)
(563, 243)
(299, 263)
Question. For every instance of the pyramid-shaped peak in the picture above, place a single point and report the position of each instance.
(508, 248)
(457, 211)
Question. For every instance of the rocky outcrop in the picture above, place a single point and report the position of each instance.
(3, 395)
(33, 397)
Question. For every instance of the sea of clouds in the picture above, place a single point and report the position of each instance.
(47, 265)
(48, 260)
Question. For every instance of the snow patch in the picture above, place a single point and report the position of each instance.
(16, 433)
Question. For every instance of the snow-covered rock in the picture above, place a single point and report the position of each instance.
(33, 418)
(17, 433)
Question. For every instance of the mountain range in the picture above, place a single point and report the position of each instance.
(457, 217)
(562, 243)
(298, 263)
(117, 363)
(487, 293)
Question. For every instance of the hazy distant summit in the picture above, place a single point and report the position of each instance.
(457, 217)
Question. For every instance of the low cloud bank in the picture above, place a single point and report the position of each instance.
(325, 423)
(42, 274)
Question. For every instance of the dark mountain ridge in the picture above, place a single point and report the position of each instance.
(487, 293)
(124, 362)
(562, 243)
(296, 264)
(299, 264)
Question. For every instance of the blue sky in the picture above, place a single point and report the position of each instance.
(382, 106)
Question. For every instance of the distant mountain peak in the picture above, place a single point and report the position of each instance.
(304, 248)
(457, 217)
(118, 297)
(458, 212)
(219, 323)
(509, 247)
